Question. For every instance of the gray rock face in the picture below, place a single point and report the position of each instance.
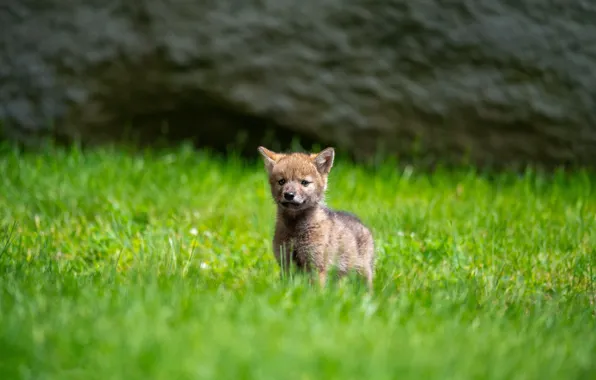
(499, 80)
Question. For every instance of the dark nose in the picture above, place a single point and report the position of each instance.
(289, 196)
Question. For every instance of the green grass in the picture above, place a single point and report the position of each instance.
(158, 265)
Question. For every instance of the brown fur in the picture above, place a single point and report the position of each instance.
(307, 233)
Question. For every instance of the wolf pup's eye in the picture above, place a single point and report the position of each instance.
(281, 181)
(305, 183)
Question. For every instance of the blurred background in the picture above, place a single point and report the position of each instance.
(491, 82)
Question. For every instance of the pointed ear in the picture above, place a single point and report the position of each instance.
(269, 157)
(324, 160)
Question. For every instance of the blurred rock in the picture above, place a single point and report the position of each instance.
(498, 81)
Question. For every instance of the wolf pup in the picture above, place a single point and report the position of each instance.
(309, 235)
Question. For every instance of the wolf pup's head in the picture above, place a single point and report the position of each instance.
(298, 181)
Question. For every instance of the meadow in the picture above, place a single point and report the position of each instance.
(158, 265)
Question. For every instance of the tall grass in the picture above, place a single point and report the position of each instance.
(158, 265)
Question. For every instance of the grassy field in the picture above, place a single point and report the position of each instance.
(158, 265)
